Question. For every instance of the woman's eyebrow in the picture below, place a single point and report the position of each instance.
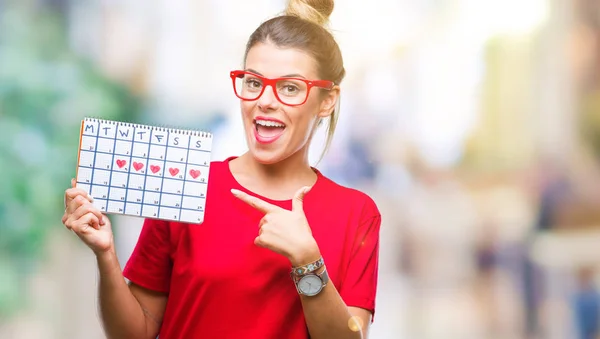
(293, 75)
(253, 71)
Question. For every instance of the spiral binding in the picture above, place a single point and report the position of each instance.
(163, 128)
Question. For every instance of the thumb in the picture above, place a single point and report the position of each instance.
(73, 183)
(298, 201)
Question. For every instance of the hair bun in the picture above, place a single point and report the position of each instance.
(317, 11)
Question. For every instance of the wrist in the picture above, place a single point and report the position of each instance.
(305, 255)
(107, 261)
(106, 254)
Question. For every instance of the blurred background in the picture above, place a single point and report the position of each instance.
(474, 124)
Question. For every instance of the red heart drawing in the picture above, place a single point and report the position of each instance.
(121, 163)
(173, 171)
(194, 173)
(154, 168)
(137, 165)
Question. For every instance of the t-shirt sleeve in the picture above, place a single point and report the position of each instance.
(359, 285)
(150, 264)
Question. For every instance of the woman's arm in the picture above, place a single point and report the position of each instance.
(288, 233)
(327, 316)
(127, 311)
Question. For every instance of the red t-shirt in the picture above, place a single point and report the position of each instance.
(221, 285)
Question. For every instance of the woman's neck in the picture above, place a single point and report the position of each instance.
(287, 170)
(278, 181)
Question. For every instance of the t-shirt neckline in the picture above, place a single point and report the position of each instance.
(269, 200)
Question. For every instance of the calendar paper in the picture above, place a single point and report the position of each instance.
(144, 171)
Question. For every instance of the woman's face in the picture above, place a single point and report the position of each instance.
(275, 131)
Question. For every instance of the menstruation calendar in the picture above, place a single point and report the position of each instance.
(144, 171)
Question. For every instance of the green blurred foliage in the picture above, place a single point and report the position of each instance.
(45, 91)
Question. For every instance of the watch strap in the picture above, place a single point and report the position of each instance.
(324, 276)
(308, 268)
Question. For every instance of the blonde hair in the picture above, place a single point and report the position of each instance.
(317, 11)
(303, 26)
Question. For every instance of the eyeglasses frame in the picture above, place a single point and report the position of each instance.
(325, 84)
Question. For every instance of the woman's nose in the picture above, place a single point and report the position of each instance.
(268, 99)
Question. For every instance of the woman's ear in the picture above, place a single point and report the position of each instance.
(329, 102)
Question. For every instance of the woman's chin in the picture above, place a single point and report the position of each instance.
(266, 157)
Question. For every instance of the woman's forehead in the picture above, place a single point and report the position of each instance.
(272, 61)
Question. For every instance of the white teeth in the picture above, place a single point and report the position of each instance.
(269, 123)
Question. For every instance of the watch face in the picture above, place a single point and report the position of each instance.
(310, 285)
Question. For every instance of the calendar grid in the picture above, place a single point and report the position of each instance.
(145, 177)
(185, 209)
(162, 181)
(94, 158)
(145, 171)
(141, 190)
(187, 157)
(174, 179)
(129, 171)
(173, 161)
(201, 150)
(110, 176)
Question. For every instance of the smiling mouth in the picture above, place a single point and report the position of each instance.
(267, 131)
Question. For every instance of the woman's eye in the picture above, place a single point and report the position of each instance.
(252, 83)
(290, 89)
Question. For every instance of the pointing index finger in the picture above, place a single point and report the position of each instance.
(255, 202)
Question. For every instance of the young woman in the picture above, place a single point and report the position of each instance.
(283, 251)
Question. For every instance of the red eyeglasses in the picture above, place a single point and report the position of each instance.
(289, 91)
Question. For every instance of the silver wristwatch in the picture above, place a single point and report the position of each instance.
(311, 284)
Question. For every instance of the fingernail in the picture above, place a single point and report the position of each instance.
(234, 191)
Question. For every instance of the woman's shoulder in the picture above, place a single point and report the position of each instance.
(219, 167)
(219, 174)
(219, 163)
(348, 196)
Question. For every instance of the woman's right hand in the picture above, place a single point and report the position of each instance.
(85, 220)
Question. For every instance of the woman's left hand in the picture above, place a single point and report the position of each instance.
(283, 231)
